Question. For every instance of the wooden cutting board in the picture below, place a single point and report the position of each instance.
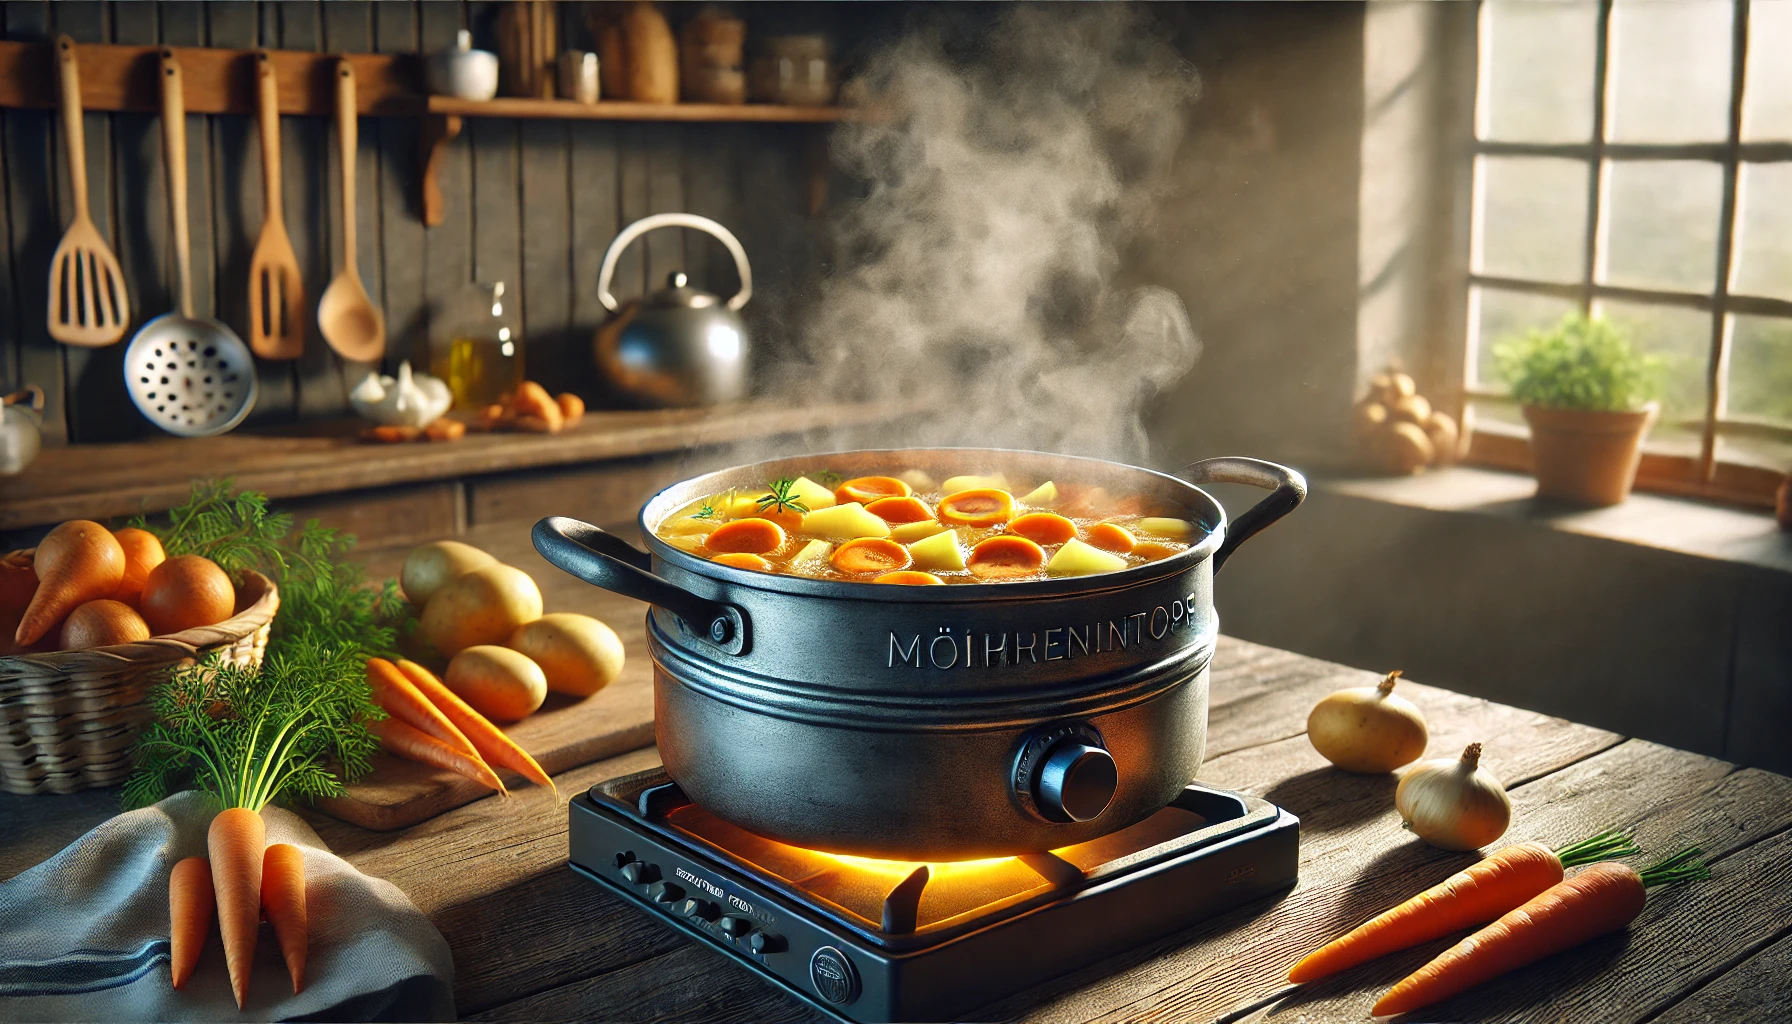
(564, 734)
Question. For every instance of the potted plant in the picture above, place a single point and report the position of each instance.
(1588, 394)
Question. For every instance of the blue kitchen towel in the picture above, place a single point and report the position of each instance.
(84, 935)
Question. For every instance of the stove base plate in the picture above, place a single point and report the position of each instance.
(854, 970)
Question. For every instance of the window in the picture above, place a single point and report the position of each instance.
(1633, 158)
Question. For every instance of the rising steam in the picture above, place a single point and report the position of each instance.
(979, 274)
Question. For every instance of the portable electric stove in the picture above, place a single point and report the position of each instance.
(880, 941)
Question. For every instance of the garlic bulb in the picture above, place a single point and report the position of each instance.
(1368, 728)
(1454, 804)
(410, 400)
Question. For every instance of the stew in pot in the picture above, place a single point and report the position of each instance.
(911, 529)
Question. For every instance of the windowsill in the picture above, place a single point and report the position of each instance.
(1737, 536)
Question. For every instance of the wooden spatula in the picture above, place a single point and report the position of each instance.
(276, 289)
(88, 305)
(349, 320)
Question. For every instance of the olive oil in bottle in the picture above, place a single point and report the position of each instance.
(479, 352)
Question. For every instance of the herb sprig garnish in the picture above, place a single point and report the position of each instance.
(781, 499)
(708, 511)
(827, 477)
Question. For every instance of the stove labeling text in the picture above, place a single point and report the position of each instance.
(947, 649)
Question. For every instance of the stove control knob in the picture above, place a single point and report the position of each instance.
(638, 873)
(765, 942)
(833, 975)
(665, 892)
(735, 927)
(624, 857)
(1076, 781)
(703, 910)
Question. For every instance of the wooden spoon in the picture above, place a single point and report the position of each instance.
(347, 317)
(88, 304)
(276, 289)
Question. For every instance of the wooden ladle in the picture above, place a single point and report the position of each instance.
(276, 289)
(349, 320)
(88, 304)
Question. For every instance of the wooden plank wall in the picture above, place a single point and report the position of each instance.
(531, 203)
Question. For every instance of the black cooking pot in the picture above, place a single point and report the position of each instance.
(931, 723)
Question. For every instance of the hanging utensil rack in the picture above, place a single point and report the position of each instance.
(221, 81)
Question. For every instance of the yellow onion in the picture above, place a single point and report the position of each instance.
(1368, 728)
(1454, 804)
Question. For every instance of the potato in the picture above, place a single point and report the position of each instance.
(1169, 529)
(430, 567)
(1407, 449)
(1414, 409)
(970, 482)
(482, 607)
(908, 533)
(921, 482)
(844, 522)
(1445, 438)
(938, 553)
(814, 555)
(811, 494)
(689, 526)
(1076, 558)
(1043, 496)
(578, 654)
(501, 684)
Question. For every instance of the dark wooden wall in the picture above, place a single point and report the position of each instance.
(530, 203)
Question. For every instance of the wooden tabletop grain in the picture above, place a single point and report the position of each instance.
(533, 942)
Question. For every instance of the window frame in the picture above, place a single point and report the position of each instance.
(1705, 475)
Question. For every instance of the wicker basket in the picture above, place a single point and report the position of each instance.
(68, 720)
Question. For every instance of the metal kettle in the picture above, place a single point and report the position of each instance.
(680, 345)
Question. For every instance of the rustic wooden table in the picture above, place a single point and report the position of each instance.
(533, 942)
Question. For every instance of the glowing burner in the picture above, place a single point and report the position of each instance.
(882, 940)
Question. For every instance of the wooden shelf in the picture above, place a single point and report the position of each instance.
(220, 81)
(99, 481)
(622, 110)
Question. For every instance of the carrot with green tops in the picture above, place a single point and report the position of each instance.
(190, 908)
(283, 901)
(236, 841)
(405, 740)
(1598, 901)
(403, 701)
(1470, 897)
(497, 748)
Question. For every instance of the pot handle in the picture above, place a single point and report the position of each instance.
(606, 560)
(1288, 489)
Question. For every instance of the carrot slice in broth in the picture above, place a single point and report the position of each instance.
(748, 536)
(1005, 557)
(897, 511)
(870, 554)
(979, 506)
(867, 489)
(1043, 528)
(743, 560)
(1111, 537)
(911, 577)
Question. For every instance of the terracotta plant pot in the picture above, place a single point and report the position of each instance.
(1586, 458)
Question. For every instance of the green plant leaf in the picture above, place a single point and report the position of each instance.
(1581, 363)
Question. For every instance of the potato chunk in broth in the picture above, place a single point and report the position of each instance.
(905, 529)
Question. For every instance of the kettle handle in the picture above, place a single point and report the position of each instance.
(669, 220)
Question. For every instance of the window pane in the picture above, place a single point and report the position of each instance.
(1764, 230)
(1497, 315)
(1669, 70)
(1760, 369)
(1682, 337)
(1661, 224)
(1767, 87)
(1539, 74)
(1533, 218)
(1760, 389)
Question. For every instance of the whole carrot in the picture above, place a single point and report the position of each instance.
(235, 841)
(1473, 896)
(1600, 900)
(283, 901)
(403, 701)
(190, 906)
(402, 739)
(493, 745)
